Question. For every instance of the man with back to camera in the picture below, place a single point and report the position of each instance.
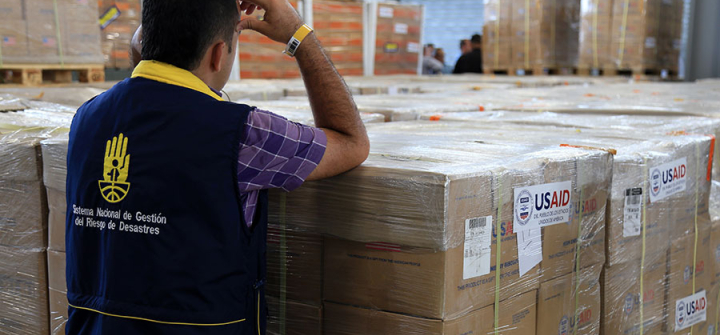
(471, 62)
(167, 184)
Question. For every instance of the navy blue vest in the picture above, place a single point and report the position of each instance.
(156, 238)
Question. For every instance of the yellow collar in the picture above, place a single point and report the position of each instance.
(169, 74)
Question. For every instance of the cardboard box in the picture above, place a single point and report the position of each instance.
(681, 275)
(23, 292)
(13, 36)
(713, 294)
(57, 289)
(82, 42)
(11, 10)
(56, 219)
(293, 318)
(562, 308)
(388, 277)
(621, 297)
(294, 265)
(43, 39)
(517, 316)
(23, 214)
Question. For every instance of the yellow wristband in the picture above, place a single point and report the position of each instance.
(295, 41)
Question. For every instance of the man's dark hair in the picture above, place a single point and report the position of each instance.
(476, 39)
(179, 32)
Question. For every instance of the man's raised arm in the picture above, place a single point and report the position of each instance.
(333, 107)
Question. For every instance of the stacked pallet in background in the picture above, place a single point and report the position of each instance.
(397, 45)
(118, 21)
(545, 36)
(595, 36)
(538, 37)
(497, 36)
(48, 39)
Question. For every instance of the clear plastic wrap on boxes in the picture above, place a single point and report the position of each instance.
(23, 291)
(653, 224)
(398, 225)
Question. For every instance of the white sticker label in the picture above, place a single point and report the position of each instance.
(690, 311)
(668, 179)
(413, 47)
(541, 205)
(478, 241)
(650, 42)
(401, 28)
(633, 204)
(387, 12)
(529, 249)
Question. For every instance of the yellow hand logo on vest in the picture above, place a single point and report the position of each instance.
(114, 186)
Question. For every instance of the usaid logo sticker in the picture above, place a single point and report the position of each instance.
(690, 311)
(541, 205)
(628, 308)
(655, 182)
(680, 314)
(686, 274)
(563, 326)
(523, 207)
(668, 179)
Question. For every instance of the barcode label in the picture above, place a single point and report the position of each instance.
(477, 223)
(478, 240)
(633, 201)
(294, 44)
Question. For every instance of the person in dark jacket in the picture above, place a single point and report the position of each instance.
(471, 62)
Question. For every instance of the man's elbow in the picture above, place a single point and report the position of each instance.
(362, 150)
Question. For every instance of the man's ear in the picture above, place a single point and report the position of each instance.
(217, 56)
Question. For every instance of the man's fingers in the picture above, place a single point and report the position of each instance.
(250, 10)
(259, 3)
(252, 23)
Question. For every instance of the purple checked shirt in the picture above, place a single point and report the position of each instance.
(275, 153)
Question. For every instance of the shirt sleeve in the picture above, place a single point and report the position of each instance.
(277, 153)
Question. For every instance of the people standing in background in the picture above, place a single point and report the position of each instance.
(465, 47)
(472, 61)
(430, 64)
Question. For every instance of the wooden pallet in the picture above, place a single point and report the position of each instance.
(500, 71)
(639, 73)
(38, 74)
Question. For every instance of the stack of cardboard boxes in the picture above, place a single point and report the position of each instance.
(397, 42)
(595, 35)
(537, 36)
(118, 21)
(50, 32)
(544, 34)
(23, 234)
(54, 153)
(497, 52)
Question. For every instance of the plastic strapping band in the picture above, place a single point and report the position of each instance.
(642, 258)
(283, 263)
(498, 259)
(622, 37)
(596, 62)
(57, 33)
(497, 35)
(552, 31)
(527, 34)
(697, 198)
(717, 314)
(577, 255)
(2, 39)
(265, 97)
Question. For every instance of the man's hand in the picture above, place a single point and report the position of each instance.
(280, 22)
